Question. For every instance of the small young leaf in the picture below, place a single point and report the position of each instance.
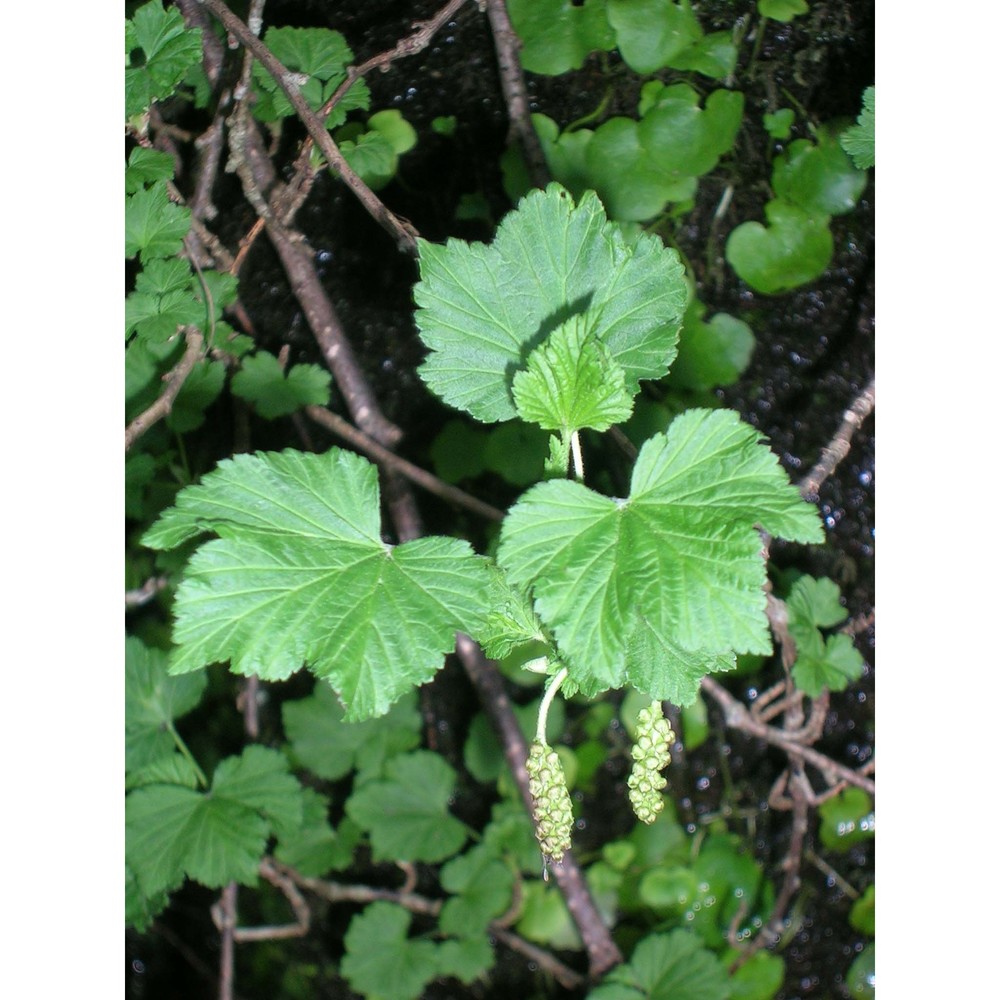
(300, 573)
(275, 392)
(146, 166)
(168, 49)
(846, 820)
(859, 139)
(407, 813)
(482, 309)
(313, 849)
(571, 383)
(154, 227)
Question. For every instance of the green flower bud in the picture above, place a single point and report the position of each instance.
(553, 812)
(651, 753)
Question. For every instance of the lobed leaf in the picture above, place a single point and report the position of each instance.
(483, 309)
(664, 586)
(300, 575)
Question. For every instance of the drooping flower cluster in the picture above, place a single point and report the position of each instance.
(650, 754)
(553, 811)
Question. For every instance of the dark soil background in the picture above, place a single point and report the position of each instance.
(815, 352)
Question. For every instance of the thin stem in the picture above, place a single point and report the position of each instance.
(574, 441)
(543, 708)
(188, 756)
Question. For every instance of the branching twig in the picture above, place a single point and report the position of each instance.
(334, 892)
(174, 379)
(348, 432)
(515, 92)
(738, 717)
(835, 452)
(403, 233)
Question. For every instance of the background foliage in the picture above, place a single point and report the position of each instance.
(397, 846)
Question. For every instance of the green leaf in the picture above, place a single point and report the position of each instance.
(162, 301)
(407, 813)
(672, 966)
(516, 451)
(153, 699)
(481, 886)
(154, 227)
(664, 586)
(372, 157)
(300, 574)
(711, 354)
(759, 978)
(683, 139)
(818, 177)
(782, 10)
(382, 963)
(146, 166)
(544, 917)
(331, 748)
(859, 139)
(216, 837)
(391, 124)
(323, 56)
(482, 309)
(512, 621)
(200, 389)
(275, 392)
(571, 383)
(862, 915)
(820, 663)
(314, 849)
(651, 33)
(861, 975)
(779, 124)
(558, 35)
(846, 820)
(457, 452)
(793, 250)
(168, 49)
(466, 959)
(714, 56)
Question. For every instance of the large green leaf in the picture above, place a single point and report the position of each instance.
(666, 585)
(650, 33)
(483, 309)
(300, 574)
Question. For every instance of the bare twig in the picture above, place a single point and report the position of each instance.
(141, 596)
(403, 233)
(836, 451)
(348, 432)
(174, 379)
(515, 92)
(224, 915)
(738, 717)
(334, 892)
